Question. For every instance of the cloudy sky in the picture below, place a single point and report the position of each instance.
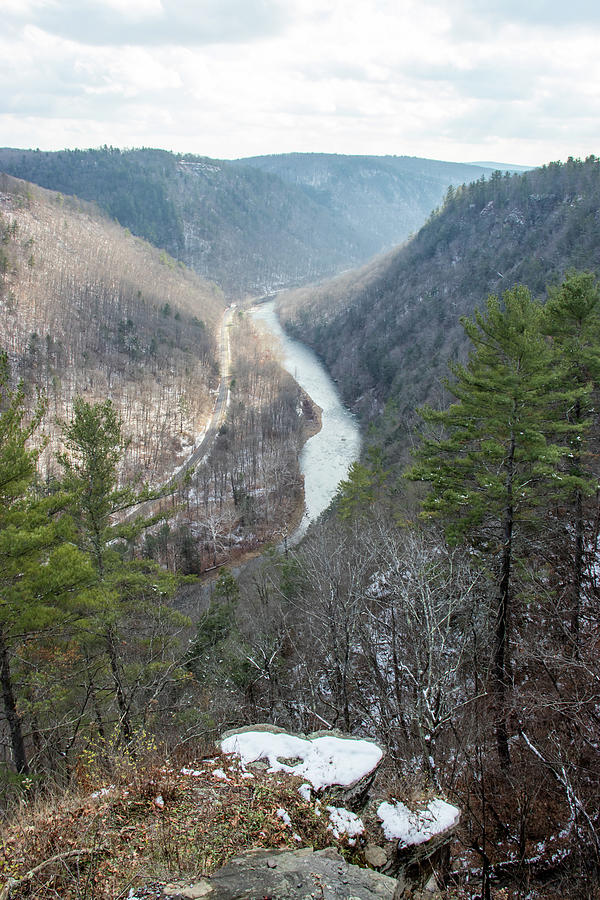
(503, 80)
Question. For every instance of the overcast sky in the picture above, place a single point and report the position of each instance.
(502, 80)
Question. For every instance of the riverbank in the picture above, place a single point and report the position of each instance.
(284, 503)
(327, 457)
(325, 444)
(312, 424)
(312, 416)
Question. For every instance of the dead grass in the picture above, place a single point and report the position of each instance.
(161, 823)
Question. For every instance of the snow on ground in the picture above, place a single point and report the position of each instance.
(409, 827)
(305, 792)
(103, 792)
(285, 816)
(324, 761)
(342, 821)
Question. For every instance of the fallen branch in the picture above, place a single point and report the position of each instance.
(14, 883)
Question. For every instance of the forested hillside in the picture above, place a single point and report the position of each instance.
(384, 198)
(246, 230)
(453, 612)
(109, 363)
(466, 582)
(251, 225)
(447, 609)
(387, 331)
(89, 309)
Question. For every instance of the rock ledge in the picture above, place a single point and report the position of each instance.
(289, 875)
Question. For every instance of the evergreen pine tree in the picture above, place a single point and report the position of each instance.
(572, 318)
(129, 593)
(495, 461)
(40, 568)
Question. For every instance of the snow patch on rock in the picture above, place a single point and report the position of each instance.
(324, 761)
(342, 821)
(411, 827)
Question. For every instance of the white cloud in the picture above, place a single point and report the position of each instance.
(239, 77)
(152, 22)
(540, 13)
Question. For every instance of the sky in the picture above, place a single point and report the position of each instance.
(512, 81)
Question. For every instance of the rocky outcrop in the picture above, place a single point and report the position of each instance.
(414, 841)
(408, 843)
(402, 847)
(343, 765)
(288, 875)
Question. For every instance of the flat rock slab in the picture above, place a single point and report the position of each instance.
(291, 875)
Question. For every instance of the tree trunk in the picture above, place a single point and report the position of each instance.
(10, 708)
(501, 632)
(579, 543)
(578, 573)
(125, 723)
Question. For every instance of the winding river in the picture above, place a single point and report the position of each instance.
(326, 457)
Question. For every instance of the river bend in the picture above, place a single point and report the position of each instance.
(327, 456)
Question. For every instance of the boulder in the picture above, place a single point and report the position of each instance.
(290, 875)
(375, 856)
(341, 764)
(417, 839)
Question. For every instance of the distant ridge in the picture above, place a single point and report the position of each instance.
(383, 198)
(253, 225)
(244, 229)
(503, 167)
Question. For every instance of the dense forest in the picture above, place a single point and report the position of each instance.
(387, 332)
(246, 225)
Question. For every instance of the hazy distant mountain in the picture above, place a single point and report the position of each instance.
(383, 198)
(242, 228)
(503, 167)
(387, 330)
(256, 224)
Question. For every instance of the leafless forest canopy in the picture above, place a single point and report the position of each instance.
(90, 310)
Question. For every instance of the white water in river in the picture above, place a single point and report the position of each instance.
(326, 457)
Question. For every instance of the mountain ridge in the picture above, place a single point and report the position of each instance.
(385, 198)
(242, 224)
(387, 330)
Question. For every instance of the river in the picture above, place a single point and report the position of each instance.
(327, 456)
